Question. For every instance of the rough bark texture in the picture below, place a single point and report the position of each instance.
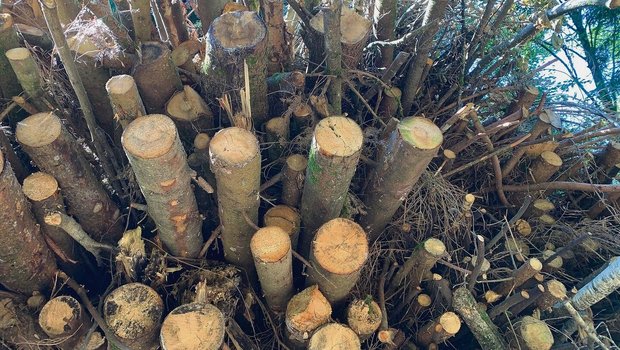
(545, 166)
(277, 36)
(406, 154)
(29, 77)
(555, 291)
(57, 152)
(439, 330)
(600, 287)
(233, 38)
(385, 12)
(339, 251)
(156, 76)
(125, 99)
(477, 320)
(174, 17)
(193, 326)
(305, 312)
(334, 336)
(333, 157)
(519, 276)
(525, 99)
(235, 160)
(9, 84)
(63, 317)
(9, 153)
(418, 266)
(141, 18)
(293, 179)
(26, 264)
(158, 159)
(272, 252)
(209, 10)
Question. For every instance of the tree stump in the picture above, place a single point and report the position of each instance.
(334, 336)
(63, 317)
(305, 312)
(364, 317)
(193, 326)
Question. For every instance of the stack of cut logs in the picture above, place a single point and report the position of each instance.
(183, 187)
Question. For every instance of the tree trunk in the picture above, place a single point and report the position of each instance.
(385, 12)
(26, 264)
(293, 180)
(305, 312)
(439, 330)
(477, 320)
(339, 251)
(193, 326)
(530, 334)
(334, 336)
(333, 53)
(286, 218)
(125, 99)
(417, 267)
(334, 153)
(9, 84)
(156, 76)
(235, 38)
(29, 76)
(158, 159)
(141, 18)
(277, 37)
(364, 317)
(271, 249)
(9, 153)
(56, 152)
(605, 283)
(236, 162)
(208, 11)
(133, 312)
(174, 17)
(408, 151)
(63, 318)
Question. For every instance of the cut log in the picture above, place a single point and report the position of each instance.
(439, 330)
(339, 251)
(133, 312)
(158, 159)
(509, 302)
(599, 288)
(193, 326)
(408, 151)
(530, 334)
(44, 194)
(543, 168)
(236, 163)
(277, 36)
(64, 319)
(276, 137)
(287, 218)
(518, 248)
(302, 119)
(9, 84)
(235, 38)
(519, 276)
(555, 291)
(190, 112)
(417, 267)
(539, 207)
(305, 312)
(525, 99)
(156, 76)
(272, 252)
(26, 264)
(141, 18)
(125, 99)
(173, 13)
(334, 153)
(385, 12)
(29, 76)
(293, 180)
(57, 152)
(334, 336)
(390, 103)
(553, 265)
(523, 228)
(184, 55)
(364, 317)
(477, 320)
(208, 11)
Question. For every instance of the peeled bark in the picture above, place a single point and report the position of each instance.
(125, 99)
(477, 320)
(189, 112)
(208, 11)
(272, 252)
(133, 312)
(9, 84)
(141, 18)
(64, 318)
(439, 330)
(286, 218)
(193, 326)
(236, 162)
(334, 153)
(364, 317)
(293, 179)
(305, 312)
(29, 76)
(605, 283)
(545, 166)
(408, 151)
(334, 336)
(158, 159)
(56, 152)
(156, 76)
(173, 13)
(339, 251)
(530, 334)
(277, 36)
(417, 267)
(26, 264)
(519, 276)
(235, 38)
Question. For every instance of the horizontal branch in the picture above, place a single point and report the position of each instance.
(559, 185)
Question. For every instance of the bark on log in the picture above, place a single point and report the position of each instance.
(408, 151)
(530, 334)
(540, 207)
(276, 136)
(235, 38)
(390, 104)
(525, 99)
(56, 152)
(236, 163)
(439, 330)
(156, 76)
(209, 10)
(173, 13)
(339, 251)
(555, 291)
(334, 153)
(9, 84)
(63, 318)
(364, 317)
(26, 263)
(158, 159)
(305, 312)
(302, 120)
(519, 276)
(334, 336)
(599, 288)
(477, 320)
(543, 168)
(293, 180)
(418, 266)
(9, 153)
(286, 218)
(193, 326)
(133, 312)
(385, 19)
(273, 259)
(190, 113)
(141, 18)
(125, 99)
(29, 76)
(279, 55)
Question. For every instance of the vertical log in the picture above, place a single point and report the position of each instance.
(235, 38)
(174, 17)
(333, 157)
(68, 11)
(63, 318)
(156, 76)
(29, 76)
(276, 136)
(286, 218)
(125, 99)
(158, 159)
(193, 326)
(26, 264)
(385, 19)
(439, 330)
(141, 18)
(9, 84)
(293, 179)
(530, 334)
(364, 317)
(133, 312)
(278, 47)
(390, 103)
(418, 266)
(339, 251)
(477, 320)
(519, 276)
(236, 162)
(56, 152)
(305, 312)
(334, 336)
(333, 37)
(409, 150)
(208, 11)
(273, 259)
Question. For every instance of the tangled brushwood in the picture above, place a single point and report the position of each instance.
(288, 174)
